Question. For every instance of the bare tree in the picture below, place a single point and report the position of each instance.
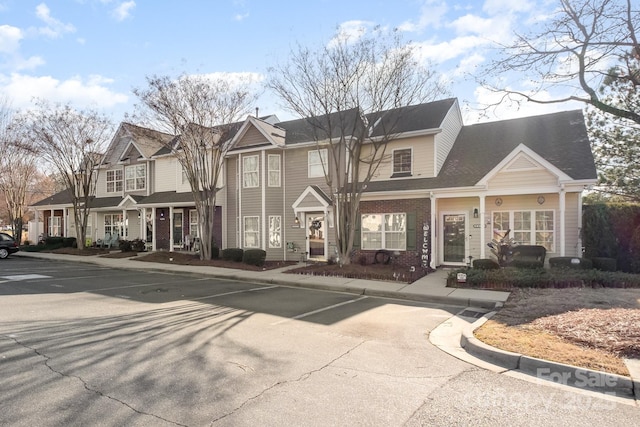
(587, 42)
(202, 111)
(345, 90)
(71, 141)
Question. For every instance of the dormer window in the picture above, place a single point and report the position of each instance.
(402, 162)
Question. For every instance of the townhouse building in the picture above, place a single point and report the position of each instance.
(446, 190)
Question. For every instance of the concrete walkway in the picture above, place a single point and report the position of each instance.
(454, 336)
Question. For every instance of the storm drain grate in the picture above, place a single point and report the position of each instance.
(472, 313)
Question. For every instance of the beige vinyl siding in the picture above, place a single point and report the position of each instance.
(165, 174)
(421, 158)
(252, 137)
(231, 208)
(523, 179)
(451, 126)
(571, 223)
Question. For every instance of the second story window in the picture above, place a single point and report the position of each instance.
(250, 177)
(114, 181)
(316, 160)
(135, 177)
(274, 170)
(402, 162)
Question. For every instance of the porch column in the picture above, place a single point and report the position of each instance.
(434, 235)
(170, 228)
(125, 225)
(483, 221)
(36, 219)
(142, 232)
(65, 219)
(562, 195)
(154, 226)
(50, 223)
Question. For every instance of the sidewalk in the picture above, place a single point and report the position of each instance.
(454, 336)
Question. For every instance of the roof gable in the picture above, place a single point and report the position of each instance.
(257, 132)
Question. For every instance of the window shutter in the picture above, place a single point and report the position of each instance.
(356, 236)
(411, 231)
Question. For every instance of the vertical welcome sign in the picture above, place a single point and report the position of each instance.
(426, 245)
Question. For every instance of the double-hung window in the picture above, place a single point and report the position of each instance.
(250, 177)
(317, 163)
(384, 231)
(274, 170)
(113, 225)
(114, 181)
(135, 177)
(275, 231)
(402, 162)
(193, 223)
(251, 232)
(528, 227)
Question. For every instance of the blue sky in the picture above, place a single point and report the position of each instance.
(91, 53)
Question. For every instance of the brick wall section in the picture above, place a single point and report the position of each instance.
(422, 209)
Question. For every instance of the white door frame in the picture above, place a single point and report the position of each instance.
(441, 216)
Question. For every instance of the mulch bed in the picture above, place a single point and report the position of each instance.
(193, 259)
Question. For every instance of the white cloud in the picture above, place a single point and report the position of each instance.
(54, 28)
(123, 10)
(22, 89)
(235, 79)
(431, 15)
(241, 16)
(504, 7)
(10, 38)
(351, 31)
(444, 51)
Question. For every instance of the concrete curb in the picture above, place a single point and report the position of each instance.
(544, 370)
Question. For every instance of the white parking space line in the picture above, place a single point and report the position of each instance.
(18, 277)
(263, 288)
(320, 310)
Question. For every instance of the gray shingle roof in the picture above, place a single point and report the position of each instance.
(560, 138)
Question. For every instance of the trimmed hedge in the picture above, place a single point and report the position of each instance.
(570, 262)
(69, 242)
(233, 254)
(605, 264)
(254, 257)
(486, 264)
(510, 277)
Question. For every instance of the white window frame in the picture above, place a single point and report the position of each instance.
(274, 174)
(131, 182)
(533, 231)
(248, 232)
(113, 181)
(315, 161)
(393, 159)
(250, 177)
(275, 231)
(116, 223)
(55, 226)
(193, 224)
(382, 233)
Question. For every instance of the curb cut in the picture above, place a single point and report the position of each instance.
(547, 371)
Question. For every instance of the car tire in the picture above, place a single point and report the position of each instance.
(3, 253)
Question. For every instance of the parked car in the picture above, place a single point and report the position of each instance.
(7, 245)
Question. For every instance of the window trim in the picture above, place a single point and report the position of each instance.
(395, 173)
(273, 232)
(279, 170)
(256, 232)
(246, 173)
(193, 213)
(383, 232)
(323, 155)
(134, 179)
(533, 231)
(114, 181)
